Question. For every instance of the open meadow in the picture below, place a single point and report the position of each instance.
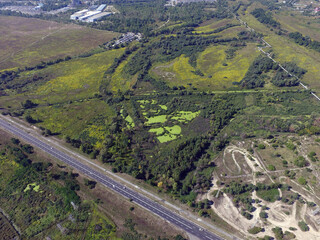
(286, 50)
(28, 41)
(219, 71)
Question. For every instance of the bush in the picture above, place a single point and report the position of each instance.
(270, 195)
(278, 233)
(303, 226)
(261, 146)
(301, 162)
(255, 230)
(271, 167)
(302, 181)
(263, 214)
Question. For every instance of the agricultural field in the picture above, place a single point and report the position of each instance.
(28, 42)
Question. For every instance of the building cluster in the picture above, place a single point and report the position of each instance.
(92, 14)
(128, 37)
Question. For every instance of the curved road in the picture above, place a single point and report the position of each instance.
(139, 199)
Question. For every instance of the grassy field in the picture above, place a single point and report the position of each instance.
(213, 24)
(70, 80)
(293, 22)
(120, 80)
(27, 41)
(286, 50)
(207, 28)
(219, 72)
(75, 119)
(80, 75)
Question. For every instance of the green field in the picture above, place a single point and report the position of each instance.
(75, 119)
(78, 78)
(219, 72)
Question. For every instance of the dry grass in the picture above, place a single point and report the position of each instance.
(28, 41)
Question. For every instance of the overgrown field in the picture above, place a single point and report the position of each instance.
(284, 49)
(36, 194)
(27, 42)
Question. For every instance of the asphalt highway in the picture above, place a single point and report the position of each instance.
(121, 189)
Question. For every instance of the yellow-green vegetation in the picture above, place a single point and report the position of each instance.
(270, 195)
(164, 107)
(215, 24)
(143, 101)
(185, 116)
(219, 72)
(228, 32)
(213, 61)
(98, 133)
(78, 75)
(295, 21)
(100, 226)
(162, 124)
(38, 40)
(157, 131)
(176, 129)
(34, 186)
(166, 138)
(156, 119)
(72, 119)
(286, 50)
(120, 80)
(166, 134)
(130, 121)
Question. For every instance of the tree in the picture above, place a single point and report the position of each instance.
(303, 226)
(255, 230)
(263, 214)
(15, 141)
(28, 104)
(300, 162)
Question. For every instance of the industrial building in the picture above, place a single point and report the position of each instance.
(94, 13)
(76, 15)
(98, 16)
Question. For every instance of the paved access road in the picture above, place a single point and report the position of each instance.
(139, 199)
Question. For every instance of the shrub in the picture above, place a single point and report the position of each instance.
(302, 181)
(263, 214)
(303, 226)
(300, 162)
(271, 167)
(255, 230)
